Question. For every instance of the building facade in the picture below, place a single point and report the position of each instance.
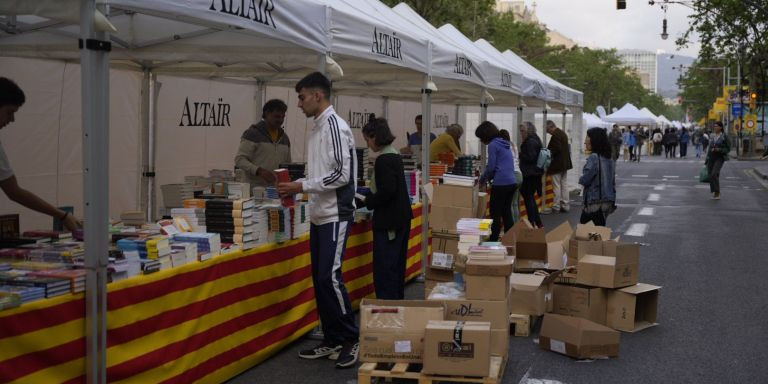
(644, 65)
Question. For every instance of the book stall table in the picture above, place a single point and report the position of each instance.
(206, 321)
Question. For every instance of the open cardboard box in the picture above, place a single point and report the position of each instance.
(530, 294)
(580, 301)
(633, 308)
(578, 337)
(617, 267)
(393, 330)
(536, 244)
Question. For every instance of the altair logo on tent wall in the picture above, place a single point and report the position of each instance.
(462, 66)
(386, 44)
(247, 9)
(357, 120)
(506, 79)
(205, 114)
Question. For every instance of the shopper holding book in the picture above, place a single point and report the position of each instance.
(264, 146)
(391, 212)
(11, 99)
(331, 185)
(501, 171)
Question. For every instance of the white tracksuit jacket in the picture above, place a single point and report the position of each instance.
(331, 170)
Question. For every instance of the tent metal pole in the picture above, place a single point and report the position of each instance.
(516, 131)
(426, 117)
(94, 59)
(144, 194)
(483, 117)
(385, 107)
(153, 88)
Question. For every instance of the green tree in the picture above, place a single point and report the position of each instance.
(469, 17)
(527, 40)
(701, 86)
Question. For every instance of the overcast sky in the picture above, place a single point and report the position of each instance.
(598, 24)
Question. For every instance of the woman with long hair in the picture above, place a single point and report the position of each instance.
(530, 146)
(598, 179)
(501, 171)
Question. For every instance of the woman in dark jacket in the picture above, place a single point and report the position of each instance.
(500, 169)
(598, 179)
(391, 212)
(530, 146)
(716, 156)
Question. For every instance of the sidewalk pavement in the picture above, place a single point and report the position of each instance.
(762, 171)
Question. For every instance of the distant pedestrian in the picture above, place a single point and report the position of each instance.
(518, 175)
(674, 141)
(561, 163)
(598, 179)
(614, 139)
(640, 138)
(501, 171)
(631, 142)
(625, 137)
(705, 141)
(717, 155)
(657, 142)
(684, 139)
(530, 146)
(696, 140)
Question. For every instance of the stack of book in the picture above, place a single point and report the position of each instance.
(193, 217)
(13, 254)
(57, 253)
(437, 169)
(466, 181)
(16, 242)
(363, 165)
(158, 247)
(260, 226)
(221, 174)
(53, 235)
(175, 194)
(487, 251)
(28, 265)
(412, 182)
(133, 218)
(471, 233)
(284, 176)
(9, 300)
(52, 286)
(409, 163)
(149, 266)
(229, 218)
(75, 277)
(183, 253)
(296, 170)
(237, 190)
(465, 165)
(208, 244)
(26, 294)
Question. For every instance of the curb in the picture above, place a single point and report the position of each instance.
(762, 172)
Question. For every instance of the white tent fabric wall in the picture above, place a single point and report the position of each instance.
(44, 144)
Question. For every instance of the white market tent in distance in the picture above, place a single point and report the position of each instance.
(663, 121)
(647, 112)
(629, 115)
(591, 120)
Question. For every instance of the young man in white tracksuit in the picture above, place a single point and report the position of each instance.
(331, 185)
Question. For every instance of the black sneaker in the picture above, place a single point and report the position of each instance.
(348, 355)
(325, 349)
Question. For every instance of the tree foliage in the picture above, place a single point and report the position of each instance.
(527, 40)
(701, 85)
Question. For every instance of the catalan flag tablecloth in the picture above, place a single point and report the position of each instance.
(202, 322)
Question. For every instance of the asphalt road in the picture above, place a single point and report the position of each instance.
(709, 257)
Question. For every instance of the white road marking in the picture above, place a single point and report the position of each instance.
(639, 175)
(660, 187)
(671, 177)
(702, 187)
(731, 177)
(646, 211)
(637, 230)
(654, 197)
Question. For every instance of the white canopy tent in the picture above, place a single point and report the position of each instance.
(591, 120)
(629, 115)
(663, 121)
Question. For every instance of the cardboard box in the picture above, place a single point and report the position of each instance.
(530, 294)
(536, 244)
(455, 196)
(617, 269)
(580, 301)
(577, 337)
(495, 312)
(457, 348)
(500, 342)
(442, 260)
(445, 241)
(393, 330)
(439, 274)
(502, 267)
(520, 325)
(486, 287)
(633, 308)
(444, 217)
(482, 204)
(590, 231)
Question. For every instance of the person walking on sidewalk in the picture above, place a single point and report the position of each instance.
(530, 146)
(558, 169)
(331, 185)
(684, 139)
(598, 179)
(718, 154)
(640, 137)
(518, 175)
(625, 138)
(501, 171)
(391, 212)
(631, 142)
(615, 140)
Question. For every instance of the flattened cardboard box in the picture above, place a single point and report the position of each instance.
(580, 301)
(461, 309)
(486, 287)
(577, 337)
(616, 270)
(393, 330)
(457, 348)
(633, 308)
(455, 196)
(530, 294)
(502, 267)
(532, 243)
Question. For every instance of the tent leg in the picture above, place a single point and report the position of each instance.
(95, 110)
(426, 116)
(480, 145)
(516, 131)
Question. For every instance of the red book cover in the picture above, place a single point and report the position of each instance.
(283, 176)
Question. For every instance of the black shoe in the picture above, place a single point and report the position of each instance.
(348, 355)
(322, 350)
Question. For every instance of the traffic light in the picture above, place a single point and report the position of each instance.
(753, 101)
(621, 4)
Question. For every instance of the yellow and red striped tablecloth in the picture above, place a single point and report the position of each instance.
(202, 322)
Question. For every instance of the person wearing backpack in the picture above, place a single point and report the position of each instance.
(558, 169)
(530, 146)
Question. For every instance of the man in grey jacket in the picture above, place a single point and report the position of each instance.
(264, 146)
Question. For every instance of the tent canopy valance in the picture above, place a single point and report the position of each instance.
(628, 115)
